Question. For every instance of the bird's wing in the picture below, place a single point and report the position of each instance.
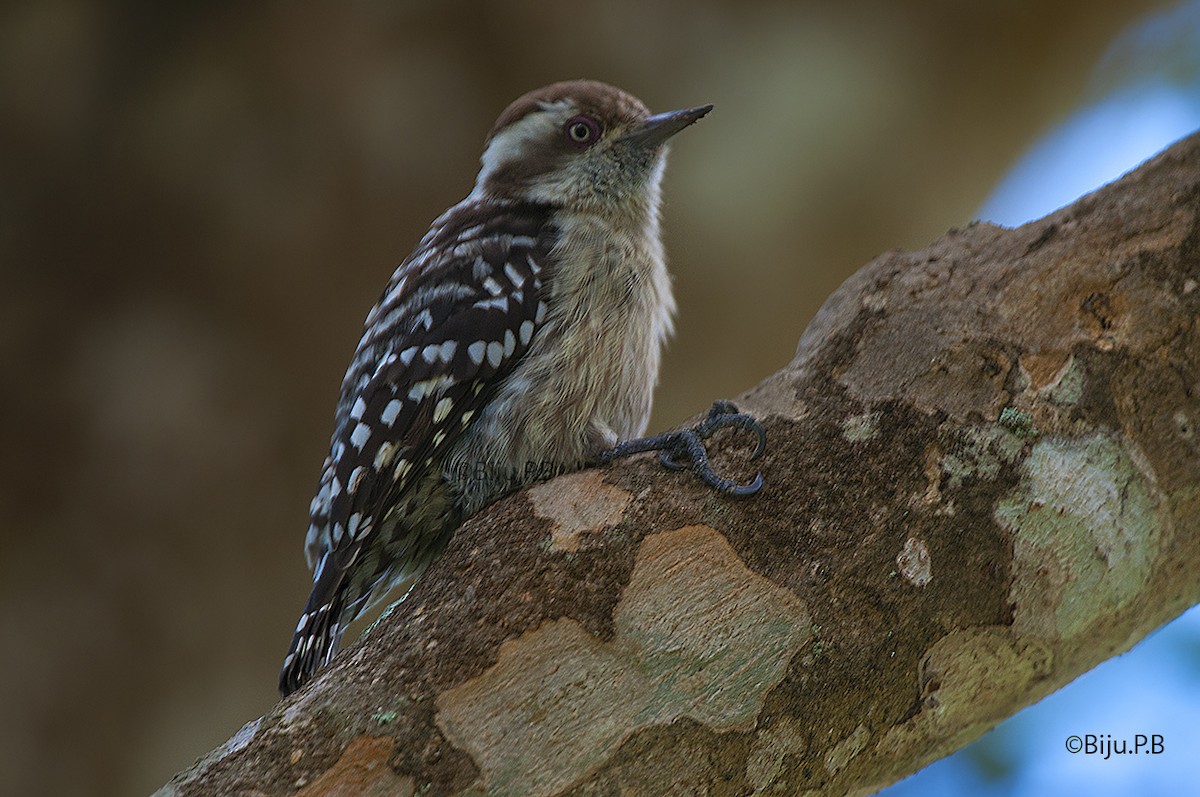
(454, 321)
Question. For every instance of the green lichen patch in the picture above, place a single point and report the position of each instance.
(1086, 532)
(1019, 422)
(980, 453)
(859, 428)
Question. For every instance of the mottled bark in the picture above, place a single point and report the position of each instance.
(983, 478)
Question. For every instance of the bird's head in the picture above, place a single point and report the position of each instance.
(582, 145)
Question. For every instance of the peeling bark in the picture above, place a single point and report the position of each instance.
(983, 479)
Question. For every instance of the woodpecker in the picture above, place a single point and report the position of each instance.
(520, 339)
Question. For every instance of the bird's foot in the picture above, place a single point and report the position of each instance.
(684, 448)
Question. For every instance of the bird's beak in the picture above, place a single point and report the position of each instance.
(654, 130)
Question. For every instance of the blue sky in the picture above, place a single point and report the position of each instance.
(1095, 146)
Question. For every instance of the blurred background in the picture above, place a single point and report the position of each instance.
(200, 201)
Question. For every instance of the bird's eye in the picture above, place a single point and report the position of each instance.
(582, 131)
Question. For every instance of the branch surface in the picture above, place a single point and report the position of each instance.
(983, 479)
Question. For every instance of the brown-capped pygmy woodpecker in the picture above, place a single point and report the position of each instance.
(525, 329)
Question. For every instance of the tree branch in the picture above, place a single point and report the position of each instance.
(983, 478)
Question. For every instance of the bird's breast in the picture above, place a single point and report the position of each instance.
(587, 381)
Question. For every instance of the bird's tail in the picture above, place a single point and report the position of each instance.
(317, 634)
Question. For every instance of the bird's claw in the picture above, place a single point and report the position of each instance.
(722, 415)
(688, 445)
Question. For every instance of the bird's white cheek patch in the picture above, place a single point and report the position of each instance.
(513, 144)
